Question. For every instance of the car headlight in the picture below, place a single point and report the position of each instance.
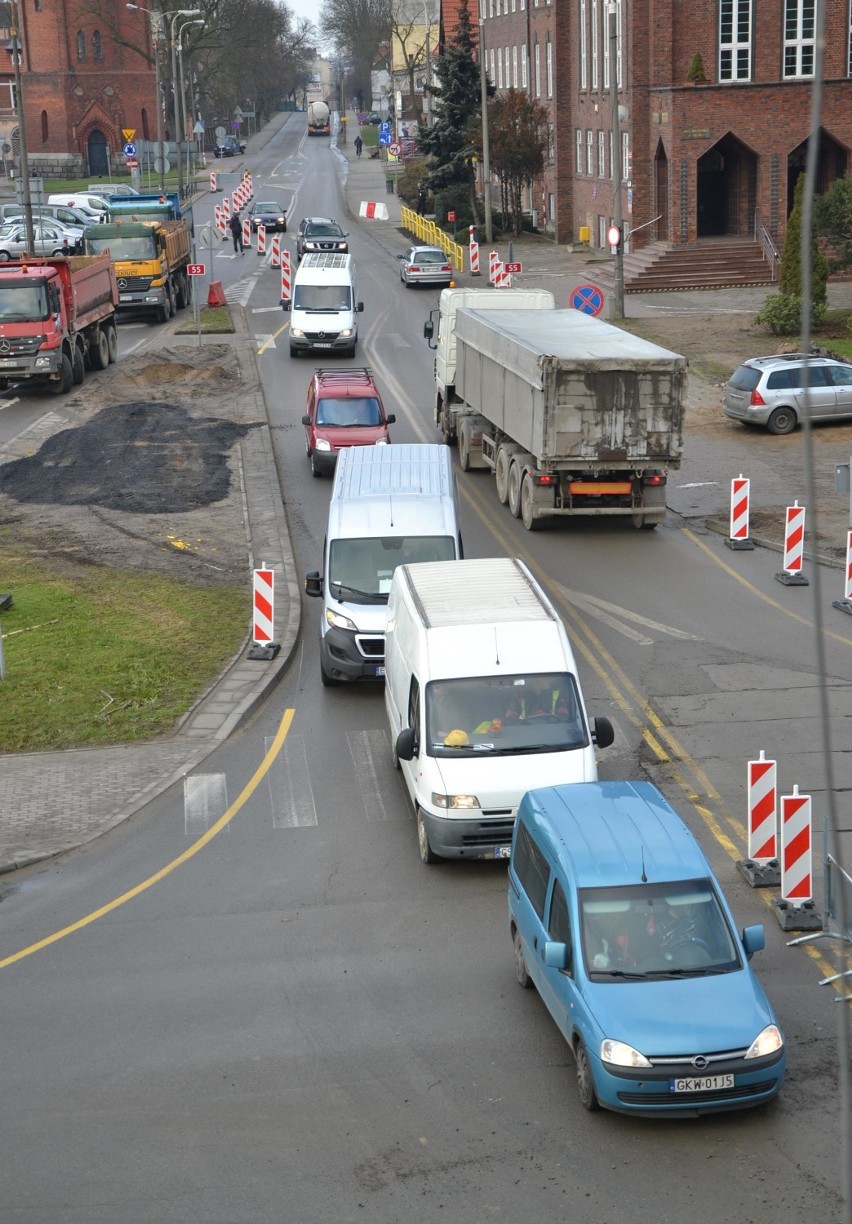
(769, 1041)
(381, 441)
(347, 331)
(455, 801)
(294, 331)
(619, 1054)
(322, 444)
(336, 620)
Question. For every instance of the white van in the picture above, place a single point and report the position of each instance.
(93, 205)
(390, 505)
(483, 701)
(324, 307)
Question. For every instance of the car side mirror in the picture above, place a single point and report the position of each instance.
(557, 956)
(390, 419)
(754, 939)
(602, 732)
(405, 744)
(360, 307)
(428, 328)
(306, 420)
(313, 583)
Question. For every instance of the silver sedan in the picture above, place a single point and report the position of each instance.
(425, 265)
(50, 239)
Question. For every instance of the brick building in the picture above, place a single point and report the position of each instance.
(82, 82)
(702, 160)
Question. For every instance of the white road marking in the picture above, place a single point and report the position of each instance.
(289, 783)
(263, 341)
(364, 748)
(610, 614)
(9, 403)
(205, 798)
(264, 309)
(700, 484)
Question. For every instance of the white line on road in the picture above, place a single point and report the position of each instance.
(365, 747)
(264, 342)
(700, 484)
(264, 309)
(289, 783)
(9, 403)
(610, 614)
(205, 798)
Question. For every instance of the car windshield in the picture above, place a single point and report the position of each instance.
(144, 247)
(322, 297)
(428, 257)
(504, 715)
(349, 411)
(268, 207)
(321, 229)
(656, 930)
(360, 570)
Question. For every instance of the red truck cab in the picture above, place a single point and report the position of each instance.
(344, 408)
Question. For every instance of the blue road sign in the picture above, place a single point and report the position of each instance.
(588, 298)
(129, 150)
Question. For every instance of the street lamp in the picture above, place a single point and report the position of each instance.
(157, 15)
(618, 222)
(486, 154)
(182, 97)
(427, 97)
(14, 48)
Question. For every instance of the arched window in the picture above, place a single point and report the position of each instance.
(97, 48)
(43, 126)
(81, 45)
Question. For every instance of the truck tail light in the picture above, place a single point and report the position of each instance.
(654, 478)
(544, 478)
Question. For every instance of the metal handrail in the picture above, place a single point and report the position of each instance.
(770, 250)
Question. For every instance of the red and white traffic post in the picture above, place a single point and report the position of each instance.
(845, 604)
(285, 276)
(226, 208)
(219, 221)
(493, 267)
(474, 253)
(212, 180)
(740, 497)
(794, 547)
(795, 908)
(263, 614)
(261, 240)
(761, 868)
(247, 233)
(275, 251)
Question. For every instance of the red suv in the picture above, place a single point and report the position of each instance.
(344, 408)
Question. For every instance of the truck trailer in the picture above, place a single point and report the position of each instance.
(572, 415)
(318, 119)
(57, 319)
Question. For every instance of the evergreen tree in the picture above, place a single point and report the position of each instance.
(450, 143)
(833, 212)
(791, 257)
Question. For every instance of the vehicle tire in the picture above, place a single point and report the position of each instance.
(308, 450)
(464, 447)
(78, 366)
(521, 971)
(180, 292)
(170, 291)
(528, 504)
(782, 421)
(99, 351)
(515, 478)
(164, 311)
(294, 352)
(501, 474)
(57, 252)
(427, 854)
(315, 471)
(327, 680)
(585, 1083)
(66, 377)
(112, 343)
(5, 256)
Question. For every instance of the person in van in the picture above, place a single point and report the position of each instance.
(540, 697)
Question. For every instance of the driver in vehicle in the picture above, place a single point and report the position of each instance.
(539, 697)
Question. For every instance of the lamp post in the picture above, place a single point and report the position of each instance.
(427, 97)
(157, 16)
(182, 99)
(618, 220)
(486, 154)
(15, 48)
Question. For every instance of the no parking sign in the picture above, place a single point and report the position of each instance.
(588, 298)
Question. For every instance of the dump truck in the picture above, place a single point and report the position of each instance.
(57, 319)
(151, 258)
(572, 415)
(318, 119)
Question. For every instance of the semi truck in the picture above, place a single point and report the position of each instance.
(572, 415)
(318, 119)
(57, 318)
(151, 257)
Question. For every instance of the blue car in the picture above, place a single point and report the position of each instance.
(617, 919)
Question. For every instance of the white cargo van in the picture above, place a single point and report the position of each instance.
(324, 307)
(390, 505)
(93, 206)
(483, 701)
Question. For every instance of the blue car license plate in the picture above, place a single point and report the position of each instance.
(700, 1083)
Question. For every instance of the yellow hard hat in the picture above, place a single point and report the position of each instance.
(456, 739)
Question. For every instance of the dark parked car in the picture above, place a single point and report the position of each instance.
(231, 146)
(270, 214)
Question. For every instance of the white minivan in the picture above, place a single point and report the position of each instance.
(93, 206)
(324, 307)
(483, 701)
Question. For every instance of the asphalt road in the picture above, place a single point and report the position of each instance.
(300, 1022)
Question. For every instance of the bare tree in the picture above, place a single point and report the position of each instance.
(357, 29)
(519, 135)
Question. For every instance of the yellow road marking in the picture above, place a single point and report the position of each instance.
(190, 852)
(270, 340)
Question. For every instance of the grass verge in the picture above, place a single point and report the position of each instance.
(212, 320)
(97, 656)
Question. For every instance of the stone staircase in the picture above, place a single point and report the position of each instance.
(713, 264)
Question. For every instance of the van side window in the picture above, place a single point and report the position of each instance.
(532, 869)
(414, 709)
(559, 926)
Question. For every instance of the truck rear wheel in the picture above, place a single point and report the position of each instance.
(112, 343)
(78, 366)
(100, 351)
(66, 377)
(501, 474)
(514, 499)
(528, 504)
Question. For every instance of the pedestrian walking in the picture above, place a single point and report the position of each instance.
(421, 198)
(359, 144)
(237, 233)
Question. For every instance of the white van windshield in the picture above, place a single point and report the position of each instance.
(504, 715)
(360, 571)
(322, 297)
(656, 930)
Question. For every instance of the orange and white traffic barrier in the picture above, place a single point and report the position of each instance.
(845, 604)
(474, 254)
(226, 208)
(275, 251)
(502, 279)
(247, 233)
(374, 210)
(261, 240)
(263, 615)
(220, 222)
(796, 848)
(285, 275)
(794, 547)
(740, 497)
(493, 265)
(762, 810)
(212, 180)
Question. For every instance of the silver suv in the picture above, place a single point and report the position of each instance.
(770, 391)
